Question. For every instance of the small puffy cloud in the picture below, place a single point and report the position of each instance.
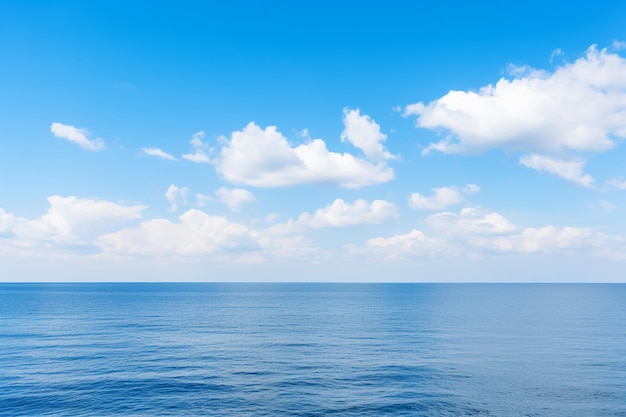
(203, 199)
(176, 195)
(470, 221)
(580, 107)
(569, 170)
(264, 158)
(364, 133)
(158, 153)
(235, 198)
(68, 221)
(195, 233)
(443, 197)
(76, 135)
(414, 244)
(617, 45)
(200, 148)
(342, 214)
(618, 183)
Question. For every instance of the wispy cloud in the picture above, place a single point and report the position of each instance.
(158, 153)
(555, 53)
(618, 44)
(77, 136)
(176, 195)
(569, 170)
(618, 183)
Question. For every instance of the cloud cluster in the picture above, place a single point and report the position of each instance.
(77, 136)
(442, 198)
(261, 157)
(196, 233)
(264, 158)
(75, 226)
(473, 232)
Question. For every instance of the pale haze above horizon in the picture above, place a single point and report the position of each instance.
(395, 141)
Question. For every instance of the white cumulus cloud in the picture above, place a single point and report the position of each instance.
(76, 135)
(158, 153)
(569, 170)
(235, 198)
(580, 107)
(364, 133)
(442, 198)
(264, 158)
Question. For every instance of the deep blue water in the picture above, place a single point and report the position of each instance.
(312, 350)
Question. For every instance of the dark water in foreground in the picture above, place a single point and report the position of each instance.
(312, 350)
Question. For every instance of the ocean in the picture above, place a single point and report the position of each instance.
(312, 349)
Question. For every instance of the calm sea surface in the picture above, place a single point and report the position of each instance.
(312, 350)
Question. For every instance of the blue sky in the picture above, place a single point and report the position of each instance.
(404, 141)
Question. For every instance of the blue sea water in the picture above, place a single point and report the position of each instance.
(312, 350)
